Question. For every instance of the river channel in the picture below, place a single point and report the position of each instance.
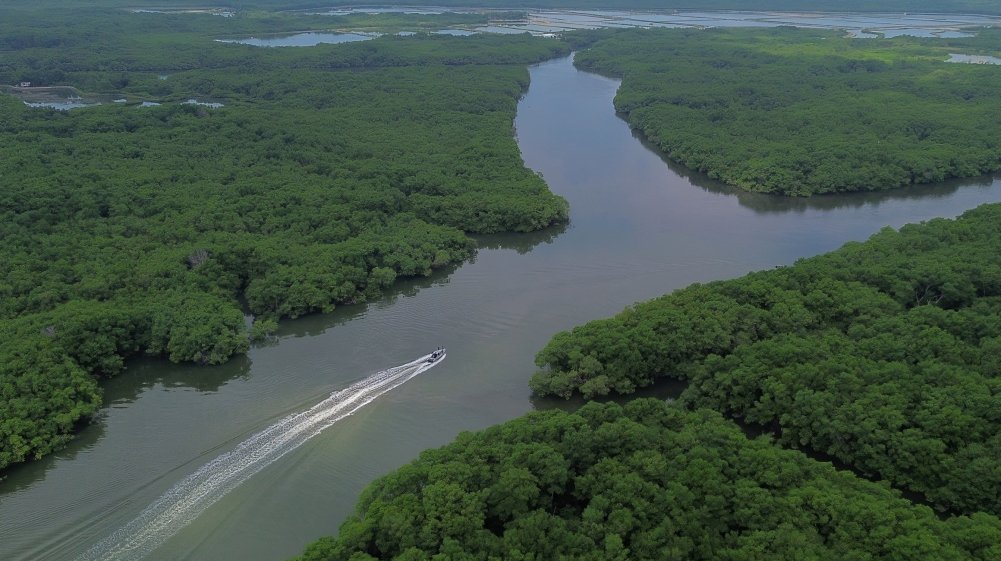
(640, 228)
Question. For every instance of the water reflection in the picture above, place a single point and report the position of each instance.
(763, 203)
(142, 375)
(317, 324)
(21, 476)
(309, 39)
(147, 372)
(523, 242)
(639, 231)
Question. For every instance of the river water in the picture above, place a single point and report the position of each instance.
(640, 228)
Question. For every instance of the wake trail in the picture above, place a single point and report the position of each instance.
(191, 496)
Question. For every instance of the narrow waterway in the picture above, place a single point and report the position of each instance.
(639, 229)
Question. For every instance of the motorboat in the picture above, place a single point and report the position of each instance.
(437, 355)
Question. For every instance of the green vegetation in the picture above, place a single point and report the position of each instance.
(936, 6)
(53, 49)
(924, 6)
(330, 172)
(334, 170)
(644, 481)
(883, 354)
(800, 112)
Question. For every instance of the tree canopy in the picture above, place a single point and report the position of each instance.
(923, 6)
(882, 354)
(327, 173)
(644, 481)
(802, 111)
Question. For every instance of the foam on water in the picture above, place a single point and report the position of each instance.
(190, 497)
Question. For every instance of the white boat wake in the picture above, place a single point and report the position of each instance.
(183, 502)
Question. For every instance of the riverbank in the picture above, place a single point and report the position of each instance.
(803, 112)
(666, 230)
(140, 231)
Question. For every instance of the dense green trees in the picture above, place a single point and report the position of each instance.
(800, 112)
(643, 481)
(329, 172)
(882, 354)
(924, 6)
(963, 6)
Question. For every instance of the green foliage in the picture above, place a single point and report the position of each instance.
(37, 412)
(882, 354)
(922, 6)
(800, 112)
(643, 481)
(330, 172)
(263, 328)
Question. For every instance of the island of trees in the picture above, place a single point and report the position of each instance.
(885, 355)
(320, 176)
(800, 111)
(327, 173)
(647, 481)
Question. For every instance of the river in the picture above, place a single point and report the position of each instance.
(640, 227)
